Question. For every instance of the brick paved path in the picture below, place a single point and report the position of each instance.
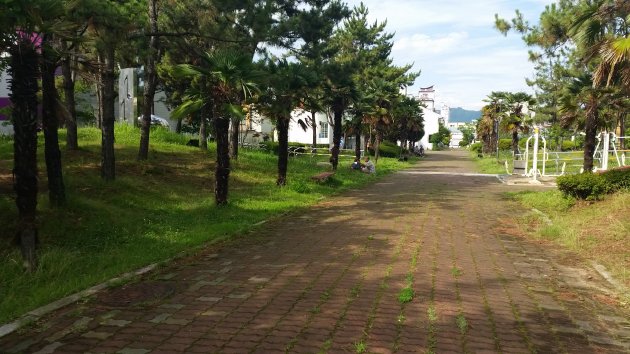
(333, 280)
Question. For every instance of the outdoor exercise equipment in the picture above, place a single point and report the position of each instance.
(605, 149)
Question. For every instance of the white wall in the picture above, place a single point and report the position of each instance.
(5, 127)
(297, 135)
(431, 126)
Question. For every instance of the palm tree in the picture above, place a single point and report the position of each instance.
(230, 78)
(581, 95)
(515, 119)
(494, 112)
(19, 22)
(381, 94)
(486, 128)
(603, 29)
(409, 120)
(286, 86)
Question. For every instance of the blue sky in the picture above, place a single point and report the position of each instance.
(454, 44)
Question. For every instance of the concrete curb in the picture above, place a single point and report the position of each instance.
(36, 314)
(609, 278)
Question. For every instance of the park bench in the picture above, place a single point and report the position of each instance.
(322, 177)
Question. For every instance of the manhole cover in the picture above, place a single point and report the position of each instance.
(144, 294)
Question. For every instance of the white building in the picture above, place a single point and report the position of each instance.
(432, 117)
(456, 137)
(6, 128)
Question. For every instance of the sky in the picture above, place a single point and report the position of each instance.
(455, 46)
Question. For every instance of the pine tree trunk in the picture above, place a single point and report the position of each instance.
(590, 129)
(50, 122)
(72, 141)
(99, 98)
(203, 129)
(108, 160)
(314, 123)
(338, 109)
(282, 124)
(24, 70)
(222, 171)
(234, 138)
(357, 145)
(150, 83)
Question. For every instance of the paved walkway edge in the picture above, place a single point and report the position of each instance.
(34, 315)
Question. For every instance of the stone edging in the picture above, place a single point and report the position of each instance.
(34, 315)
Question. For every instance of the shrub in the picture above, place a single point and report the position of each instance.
(271, 146)
(387, 149)
(618, 178)
(505, 144)
(476, 147)
(568, 145)
(589, 186)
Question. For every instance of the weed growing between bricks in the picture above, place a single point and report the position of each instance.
(486, 304)
(542, 313)
(266, 305)
(324, 297)
(431, 314)
(352, 296)
(515, 311)
(456, 272)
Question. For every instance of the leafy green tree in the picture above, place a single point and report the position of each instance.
(285, 87)
(408, 124)
(109, 24)
(150, 80)
(317, 25)
(442, 137)
(20, 22)
(491, 117)
(578, 96)
(362, 75)
(590, 40)
(228, 77)
(515, 119)
(50, 121)
(468, 132)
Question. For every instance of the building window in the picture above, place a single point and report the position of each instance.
(323, 130)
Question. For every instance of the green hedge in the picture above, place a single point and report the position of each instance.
(589, 186)
(505, 144)
(476, 147)
(387, 149)
(592, 186)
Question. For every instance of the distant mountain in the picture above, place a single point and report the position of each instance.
(459, 114)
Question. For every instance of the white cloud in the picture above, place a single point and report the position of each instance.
(435, 44)
(454, 44)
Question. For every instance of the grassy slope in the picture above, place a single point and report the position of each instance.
(599, 231)
(154, 210)
(489, 163)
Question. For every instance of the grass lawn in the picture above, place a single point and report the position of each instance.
(572, 162)
(490, 164)
(595, 230)
(153, 211)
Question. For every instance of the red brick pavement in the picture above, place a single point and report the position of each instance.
(329, 281)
